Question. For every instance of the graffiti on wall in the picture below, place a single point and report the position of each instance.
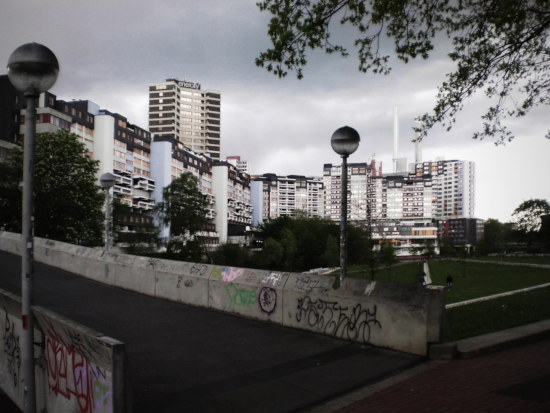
(12, 351)
(329, 317)
(227, 274)
(268, 300)
(274, 279)
(311, 284)
(71, 374)
(198, 269)
(240, 297)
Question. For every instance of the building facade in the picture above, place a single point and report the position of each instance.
(274, 196)
(170, 159)
(461, 231)
(239, 163)
(183, 111)
(454, 187)
(359, 190)
(119, 146)
(233, 203)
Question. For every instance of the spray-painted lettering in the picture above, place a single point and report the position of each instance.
(72, 376)
(240, 297)
(331, 318)
(275, 279)
(12, 350)
(309, 284)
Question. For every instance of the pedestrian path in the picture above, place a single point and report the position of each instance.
(506, 371)
(512, 380)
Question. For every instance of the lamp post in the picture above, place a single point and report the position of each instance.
(344, 142)
(32, 69)
(107, 181)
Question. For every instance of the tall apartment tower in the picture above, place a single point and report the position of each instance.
(454, 187)
(183, 111)
(359, 188)
(273, 196)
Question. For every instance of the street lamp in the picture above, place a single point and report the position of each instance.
(107, 181)
(344, 142)
(32, 69)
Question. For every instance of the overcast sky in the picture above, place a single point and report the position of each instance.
(110, 51)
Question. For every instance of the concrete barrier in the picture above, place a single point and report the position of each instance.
(401, 317)
(81, 370)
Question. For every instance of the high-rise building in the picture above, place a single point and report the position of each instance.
(170, 159)
(453, 187)
(274, 196)
(239, 163)
(359, 188)
(401, 196)
(120, 147)
(233, 208)
(183, 111)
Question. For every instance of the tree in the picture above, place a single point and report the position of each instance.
(184, 208)
(273, 252)
(288, 242)
(68, 202)
(330, 257)
(528, 217)
(387, 255)
(494, 237)
(528, 214)
(230, 255)
(498, 46)
(133, 230)
(306, 235)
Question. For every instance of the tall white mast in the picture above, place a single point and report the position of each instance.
(395, 137)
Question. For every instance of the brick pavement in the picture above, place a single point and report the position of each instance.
(512, 380)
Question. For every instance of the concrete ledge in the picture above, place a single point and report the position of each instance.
(486, 343)
(474, 346)
(444, 351)
(391, 315)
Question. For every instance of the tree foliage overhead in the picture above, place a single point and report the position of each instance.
(68, 201)
(499, 46)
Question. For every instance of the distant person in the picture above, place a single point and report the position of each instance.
(424, 279)
(449, 281)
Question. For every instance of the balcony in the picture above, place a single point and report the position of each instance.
(122, 190)
(144, 184)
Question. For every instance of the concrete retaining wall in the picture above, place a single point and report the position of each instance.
(401, 317)
(81, 370)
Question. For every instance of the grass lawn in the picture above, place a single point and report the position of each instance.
(498, 314)
(474, 280)
(527, 259)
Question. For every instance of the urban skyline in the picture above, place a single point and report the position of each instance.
(278, 126)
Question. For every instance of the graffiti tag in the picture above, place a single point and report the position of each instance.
(12, 350)
(331, 318)
(240, 297)
(268, 300)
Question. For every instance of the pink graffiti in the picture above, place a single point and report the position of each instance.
(229, 274)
